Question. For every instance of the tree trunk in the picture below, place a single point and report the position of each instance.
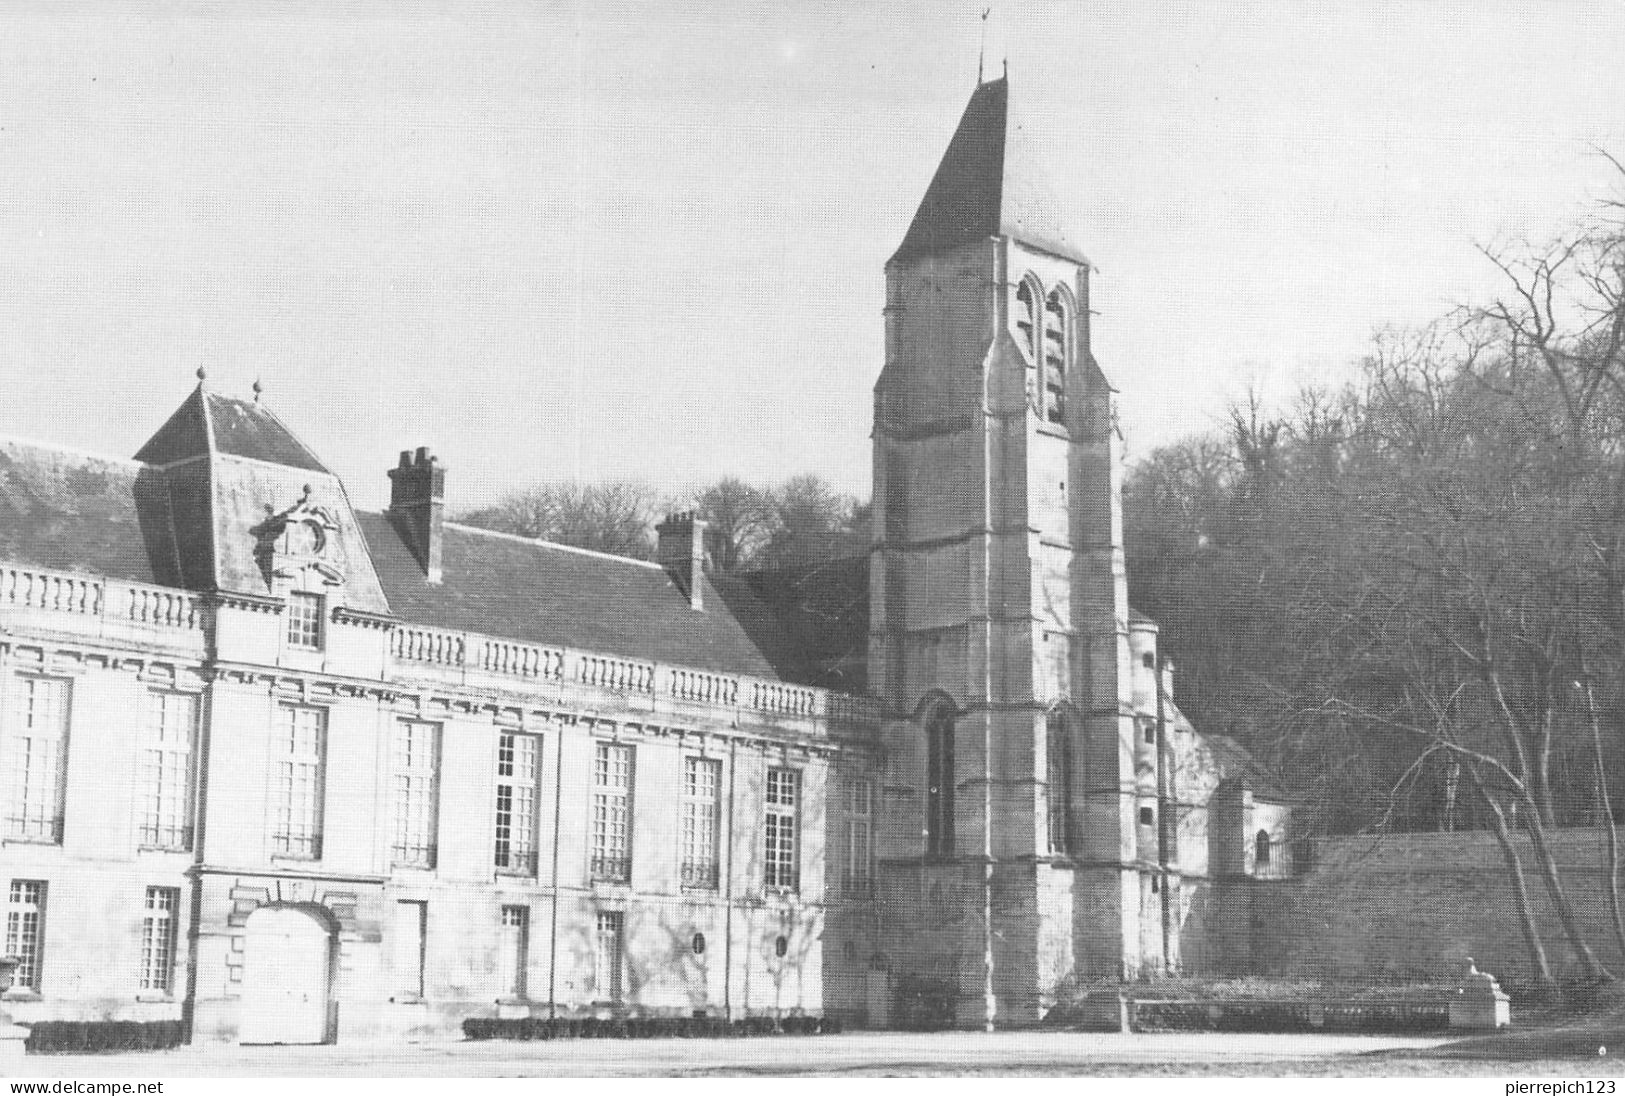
(1603, 801)
(1520, 889)
(1589, 963)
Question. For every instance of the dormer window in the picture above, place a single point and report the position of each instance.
(1057, 356)
(305, 621)
(1026, 315)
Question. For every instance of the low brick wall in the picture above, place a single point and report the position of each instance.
(1415, 906)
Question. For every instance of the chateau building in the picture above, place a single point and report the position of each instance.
(299, 773)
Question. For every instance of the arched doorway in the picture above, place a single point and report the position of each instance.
(287, 969)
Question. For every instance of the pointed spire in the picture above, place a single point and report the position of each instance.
(991, 182)
(982, 53)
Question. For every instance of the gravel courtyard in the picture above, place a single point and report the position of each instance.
(855, 1054)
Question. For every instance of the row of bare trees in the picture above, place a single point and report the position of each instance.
(802, 521)
(1409, 593)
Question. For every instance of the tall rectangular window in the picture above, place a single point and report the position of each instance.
(1058, 751)
(411, 921)
(36, 758)
(158, 934)
(860, 839)
(305, 620)
(166, 762)
(518, 774)
(612, 813)
(783, 861)
(702, 778)
(25, 926)
(416, 790)
(608, 956)
(301, 762)
(939, 783)
(515, 945)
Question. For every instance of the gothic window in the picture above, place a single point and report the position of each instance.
(939, 782)
(1058, 761)
(1026, 315)
(1057, 355)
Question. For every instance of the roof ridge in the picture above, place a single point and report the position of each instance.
(538, 542)
(18, 439)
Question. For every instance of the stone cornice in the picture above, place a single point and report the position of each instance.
(360, 617)
(232, 599)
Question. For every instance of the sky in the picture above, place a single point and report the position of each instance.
(605, 240)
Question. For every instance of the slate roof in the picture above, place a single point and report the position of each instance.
(544, 593)
(73, 512)
(208, 421)
(990, 183)
(816, 627)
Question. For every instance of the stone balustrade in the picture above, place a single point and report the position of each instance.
(122, 605)
(108, 600)
(746, 695)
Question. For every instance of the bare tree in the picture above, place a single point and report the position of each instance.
(614, 517)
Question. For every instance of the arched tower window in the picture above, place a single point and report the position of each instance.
(939, 782)
(1026, 315)
(1058, 764)
(1261, 849)
(1057, 356)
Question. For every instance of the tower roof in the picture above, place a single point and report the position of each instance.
(990, 183)
(208, 422)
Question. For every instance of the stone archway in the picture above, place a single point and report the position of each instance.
(287, 976)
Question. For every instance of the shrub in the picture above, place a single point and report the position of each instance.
(481, 1028)
(103, 1036)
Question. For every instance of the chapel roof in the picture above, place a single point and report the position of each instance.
(990, 183)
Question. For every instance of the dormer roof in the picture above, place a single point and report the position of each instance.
(210, 423)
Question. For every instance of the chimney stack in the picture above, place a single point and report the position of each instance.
(417, 505)
(680, 549)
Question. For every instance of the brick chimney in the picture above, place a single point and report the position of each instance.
(680, 549)
(417, 505)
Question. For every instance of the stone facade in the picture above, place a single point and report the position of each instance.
(297, 773)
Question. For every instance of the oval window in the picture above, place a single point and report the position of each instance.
(781, 947)
(699, 943)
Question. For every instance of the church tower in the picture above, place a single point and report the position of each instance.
(1022, 843)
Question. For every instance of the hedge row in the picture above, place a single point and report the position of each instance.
(103, 1036)
(1282, 1016)
(656, 1027)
